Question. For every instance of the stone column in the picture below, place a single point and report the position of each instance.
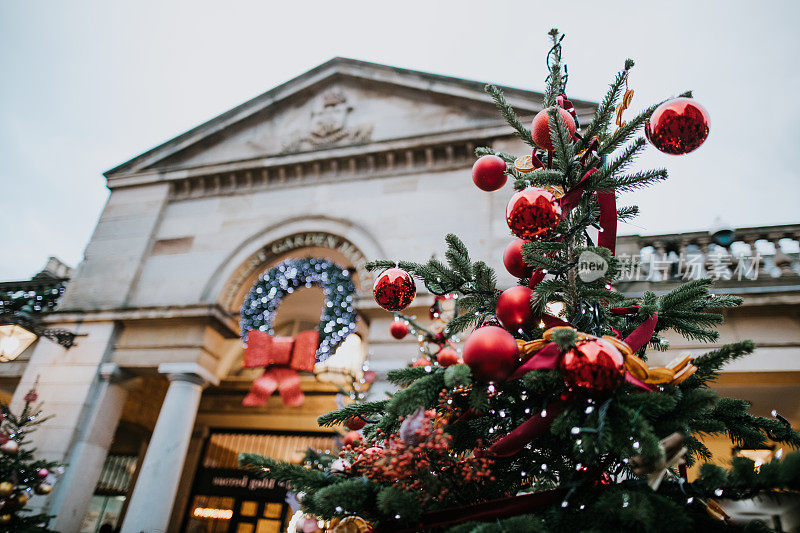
(154, 494)
(86, 458)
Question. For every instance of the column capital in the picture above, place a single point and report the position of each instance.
(112, 373)
(191, 372)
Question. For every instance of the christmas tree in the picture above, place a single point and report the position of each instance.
(21, 474)
(553, 421)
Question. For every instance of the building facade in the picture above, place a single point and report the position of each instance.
(349, 162)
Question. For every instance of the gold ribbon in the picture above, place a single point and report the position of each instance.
(675, 372)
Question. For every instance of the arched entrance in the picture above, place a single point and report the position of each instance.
(221, 497)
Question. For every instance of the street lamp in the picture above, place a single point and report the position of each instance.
(13, 341)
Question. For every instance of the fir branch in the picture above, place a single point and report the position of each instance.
(564, 148)
(603, 180)
(485, 150)
(297, 477)
(711, 363)
(509, 115)
(627, 212)
(539, 178)
(638, 180)
(554, 80)
(605, 111)
(380, 264)
(363, 409)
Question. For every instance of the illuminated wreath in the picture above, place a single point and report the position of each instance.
(338, 318)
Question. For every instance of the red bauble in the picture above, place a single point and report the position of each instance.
(355, 423)
(422, 361)
(540, 127)
(513, 308)
(489, 173)
(394, 289)
(370, 376)
(533, 214)
(398, 329)
(491, 353)
(447, 356)
(594, 366)
(43, 473)
(512, 259)
(352, 438)
(678, 126)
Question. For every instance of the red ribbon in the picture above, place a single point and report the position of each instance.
(608, 210)
(282, 358)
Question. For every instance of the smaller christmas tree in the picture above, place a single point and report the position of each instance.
(21, 473)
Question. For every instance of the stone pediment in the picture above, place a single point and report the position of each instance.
(338, 104)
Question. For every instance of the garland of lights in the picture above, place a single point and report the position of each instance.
(338, 318)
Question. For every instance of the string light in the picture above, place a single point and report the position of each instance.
(338, 318)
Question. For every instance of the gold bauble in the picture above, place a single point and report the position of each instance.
(350, 524)
(5, 519)
(6, 488)
(20, 499)
(43, 488)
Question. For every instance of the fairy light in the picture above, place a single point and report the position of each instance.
(338, 314)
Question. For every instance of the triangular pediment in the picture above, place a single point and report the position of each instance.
(343, 102)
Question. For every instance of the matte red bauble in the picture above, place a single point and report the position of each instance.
(678, 126)
(370, 376)
(43, 473)
(491, 353)
(398, 329)
(533, 214)
(512, 259)
(513, 308)
(422, 361)
(394, 289)
(352, 438)
(447, 356)
(355, 423)
(593, 365)
(540, 127)
(489, 173)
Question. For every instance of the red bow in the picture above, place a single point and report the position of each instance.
(282, 358)
(549, 357)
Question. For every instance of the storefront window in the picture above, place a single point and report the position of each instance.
(226, 498)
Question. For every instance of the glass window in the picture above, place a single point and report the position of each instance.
(210, 514)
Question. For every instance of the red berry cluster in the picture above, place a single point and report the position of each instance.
(427, 466)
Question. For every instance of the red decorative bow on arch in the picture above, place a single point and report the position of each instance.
(282, 358)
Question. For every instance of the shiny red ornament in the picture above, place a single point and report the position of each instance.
(447, 356)
(355, 423)
(533, 214)
(513, 308)
(394, 289)
(370, 376)
(678, 126)
(593, 366)
(422, 361)
(352, 437)
(489, 173)
(491, 353)
(540, 127)
(398, 329)
(512, 260)
(43, 473)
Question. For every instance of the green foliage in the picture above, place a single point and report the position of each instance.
(508, 113)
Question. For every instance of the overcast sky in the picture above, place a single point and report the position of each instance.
(85, 86)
